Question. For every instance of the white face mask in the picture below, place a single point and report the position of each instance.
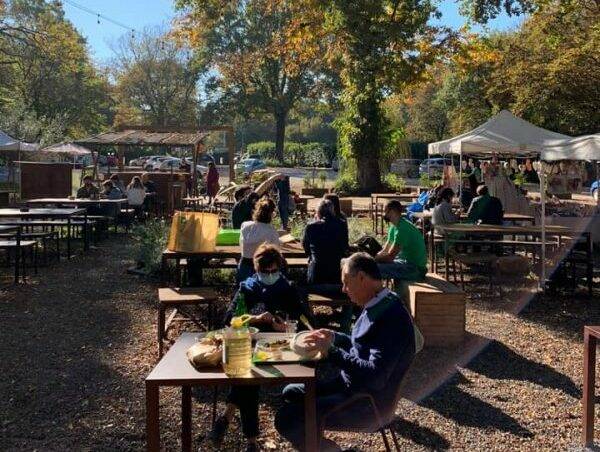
(268, 279)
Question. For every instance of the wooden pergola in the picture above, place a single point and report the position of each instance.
(140, 136)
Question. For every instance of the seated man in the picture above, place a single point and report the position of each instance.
(404, 256)
(88, 190)
(372, 360)
(485, 209)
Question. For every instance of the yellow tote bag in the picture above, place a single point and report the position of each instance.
(193, 232)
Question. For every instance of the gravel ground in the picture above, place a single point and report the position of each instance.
(78, 340)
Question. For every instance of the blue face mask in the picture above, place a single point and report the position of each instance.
(268, 279)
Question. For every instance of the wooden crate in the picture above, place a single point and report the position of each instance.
(438, 308)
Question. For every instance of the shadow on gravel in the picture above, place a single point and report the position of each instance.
(462, 408)
(499, 362)
(420, 435)
(564, 312)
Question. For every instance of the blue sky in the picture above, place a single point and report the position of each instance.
(138, 14)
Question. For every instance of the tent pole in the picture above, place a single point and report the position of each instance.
(460, 176)
(543, 199)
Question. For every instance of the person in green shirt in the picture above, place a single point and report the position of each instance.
(404, 256)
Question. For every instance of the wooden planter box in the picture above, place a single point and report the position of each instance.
(316, 192)
(438, 308)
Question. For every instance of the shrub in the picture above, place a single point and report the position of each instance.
(394, 182)
(427, 182)
(347, 184)
(150, 242)
(266, 149)
(322, 178)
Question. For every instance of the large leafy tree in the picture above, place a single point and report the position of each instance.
(156, 80)
(261, 59)
(47, 74)
(379, 47)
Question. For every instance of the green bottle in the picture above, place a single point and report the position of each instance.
(240, 305)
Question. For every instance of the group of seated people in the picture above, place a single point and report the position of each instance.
(483, 209)
(113, 188)
(372, 359)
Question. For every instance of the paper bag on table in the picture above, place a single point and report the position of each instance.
(193, 232)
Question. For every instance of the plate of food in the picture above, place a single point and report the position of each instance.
(278, 351)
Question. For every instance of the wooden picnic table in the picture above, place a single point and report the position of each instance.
(175, 370)
(375, 204)
(426, 215)
(51, 213)
(8, 229)
(75, 201)
(289, 250)
(590, 339)
(489, 231)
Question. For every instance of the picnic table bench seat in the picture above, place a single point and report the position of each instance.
(438, 308)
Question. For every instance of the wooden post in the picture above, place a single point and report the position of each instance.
(199, 148)
(121, 157)
(230, 138)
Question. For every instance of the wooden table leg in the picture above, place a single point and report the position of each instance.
(160, 329)
(186, 418)
(310, 417)
(589, 381)
(152, 422)
(446, 256)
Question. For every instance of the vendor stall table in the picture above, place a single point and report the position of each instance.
(175, 370)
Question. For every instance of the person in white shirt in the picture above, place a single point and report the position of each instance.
(136, 194)
(442, 212)
(255, 233)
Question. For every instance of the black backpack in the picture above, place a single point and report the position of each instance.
(369, 245)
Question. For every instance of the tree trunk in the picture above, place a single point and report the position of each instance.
(369, 174)
(280, 120)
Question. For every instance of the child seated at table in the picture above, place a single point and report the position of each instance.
(269, 298)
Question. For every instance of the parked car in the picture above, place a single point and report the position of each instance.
(406, 167)
(248, 166)
(149, 163)
(200, 168)
(434, 167)
(155, 163)
(167, 164)
(205, 159)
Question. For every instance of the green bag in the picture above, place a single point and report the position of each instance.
(228, 237)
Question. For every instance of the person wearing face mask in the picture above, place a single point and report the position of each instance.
(404, 256)
(269, 298)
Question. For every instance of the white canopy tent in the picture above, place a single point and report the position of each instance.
(8, 143)
(71, 149)
(503, 134)
(506, 135)
(585, 147)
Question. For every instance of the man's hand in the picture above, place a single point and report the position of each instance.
(279, 324)
(265, 317)
(320, 340)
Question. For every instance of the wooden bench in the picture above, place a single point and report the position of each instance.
(438, 308)
(177, 298)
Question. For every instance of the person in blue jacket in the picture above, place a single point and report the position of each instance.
(373, 359)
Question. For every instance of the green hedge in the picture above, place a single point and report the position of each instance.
(296, 154)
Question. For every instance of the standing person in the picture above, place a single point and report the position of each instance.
(254, 233)
(325, 245)
(477, 172)
(212, 182)
(268, 297)
(88, 190)
(442, 213)
(339, 215)
(372, 360)
(282, 185)
(404, 256)
(242, 210)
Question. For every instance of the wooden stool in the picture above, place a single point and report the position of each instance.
(176, 298)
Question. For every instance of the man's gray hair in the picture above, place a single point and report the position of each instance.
(362, 262)
(325, 209)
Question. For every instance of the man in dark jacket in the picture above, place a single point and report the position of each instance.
(325, 243)
(372, 360)
(485, 209)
